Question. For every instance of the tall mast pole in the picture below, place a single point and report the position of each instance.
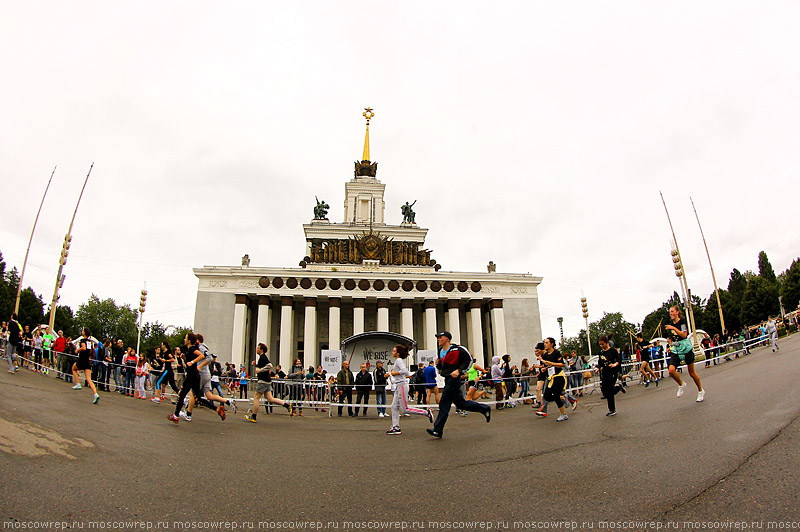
(681, 273)
(30, 240)
(64, 252)
(713, 276)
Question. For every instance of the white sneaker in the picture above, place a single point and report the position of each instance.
(77, 386)
(701, 395)
(562, 417)
(681, 388)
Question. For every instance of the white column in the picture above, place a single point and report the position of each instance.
(264, 325)
(430, 324)
(310, 351)
(476, 331)
(383, 315)
(407, 318)
(287, 333)
(499, 327)
(239, 325)
(454, 323)
(334, 323)
(358, 316)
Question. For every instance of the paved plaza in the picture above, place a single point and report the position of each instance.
(661, 460)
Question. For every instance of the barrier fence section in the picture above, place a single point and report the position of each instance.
(322, 395)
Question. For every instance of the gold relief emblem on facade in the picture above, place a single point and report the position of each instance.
(370, 246)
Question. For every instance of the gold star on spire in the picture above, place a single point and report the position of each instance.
(368, 114)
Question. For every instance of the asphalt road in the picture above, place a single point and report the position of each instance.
(663, 461)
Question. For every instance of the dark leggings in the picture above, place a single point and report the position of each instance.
(192, 384)
(609, 389)
(242, 391)
(553, 391)
(167, 376)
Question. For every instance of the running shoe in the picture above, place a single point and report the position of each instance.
(488, 415)
(657, 382)
(562, 417)
(647, 384)
(155, 400)
(429, 414)
(77, 386)
(174, 418)
(250, 418)
(394, 430)
(540, 413)
(288, 407)
(681, 388)
(701, 395)
(434, 433)
(232, 404)
(186, 416)
(614, 413)
(221, 412)
(96, 398)
(574, 404)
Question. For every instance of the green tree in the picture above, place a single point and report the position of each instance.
(790, 287)
(660, 316)
(765, 268)
(712, 324)
(65, 321)
(31, 308)
(759, 301)
(106, 319)
(611, 323)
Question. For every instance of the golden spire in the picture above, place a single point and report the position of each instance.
(368, 114)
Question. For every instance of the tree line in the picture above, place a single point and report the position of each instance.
(104, 317)
(748, 300)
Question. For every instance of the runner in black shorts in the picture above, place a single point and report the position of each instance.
(644, 356)
(679, 332)
(84, 364)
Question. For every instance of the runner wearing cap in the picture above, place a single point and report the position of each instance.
(454, 362)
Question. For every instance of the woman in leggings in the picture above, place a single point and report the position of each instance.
(608, 366)
(399, 374)
(556, 378)
(167, 375)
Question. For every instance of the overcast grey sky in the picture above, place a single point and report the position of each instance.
(534, 134)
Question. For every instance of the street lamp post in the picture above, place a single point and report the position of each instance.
(561, 328)
(142, 304)
(585, 308)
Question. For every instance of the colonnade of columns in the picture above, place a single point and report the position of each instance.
(452, 323)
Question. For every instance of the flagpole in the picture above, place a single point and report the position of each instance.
(713, 276)
(64, 252)
(30, 240)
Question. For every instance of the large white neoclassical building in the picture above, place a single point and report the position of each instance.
(363, 274)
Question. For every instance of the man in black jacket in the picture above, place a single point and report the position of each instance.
(14, 340)
(454, 362)
(344, 387)
(363, 387)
